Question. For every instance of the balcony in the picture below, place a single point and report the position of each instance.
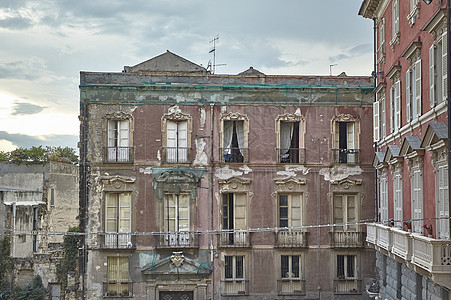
(234, 155)
(346, 156)
(290, 286)
(291, 156)
(118, 289)
(234, 238)
(234, 287)
(178, 239)
(347, 239)
(173, 155)
(291, 238)
(118, 154)
(348, 286)
(114, 240)
(431, 255)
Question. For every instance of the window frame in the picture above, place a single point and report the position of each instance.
(345, 213)
(116, 149)
(346, 155)
(244, 151)
(299, 152)
(235, 268)
(343, 272)
(175, 115)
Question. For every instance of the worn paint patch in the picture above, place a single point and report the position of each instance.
(293, 171)
(226, 173)
(338, 173)
(246, 169)
(202, 117)
(201, 158)
(145, 171)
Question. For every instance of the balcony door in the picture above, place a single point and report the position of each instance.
(177, 141)
(118, 220)
(176, 219)
(118, 140)
(234, 218)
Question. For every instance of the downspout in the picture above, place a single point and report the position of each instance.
(376, 190)
(14, 229)
(83, 194)
(448, 66)
(212, 202)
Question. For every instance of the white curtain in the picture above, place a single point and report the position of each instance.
(240, 135)
(228, 132)
(286, 133)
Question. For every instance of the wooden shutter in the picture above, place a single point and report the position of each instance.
(408, 96)
(351, 212)
(432, 76)
(125, 213)
(392, 109)
(376, 121)
(417, 88)
(398, 104)
(183, 212)
(338, 211)
(123, 133)
(444, 67)
(171, 134)
(296, 210)
(170, 206)
(350, 135)
(240, 211)
(111, 213)
(443, 204)
(182, 141)
(398, 198)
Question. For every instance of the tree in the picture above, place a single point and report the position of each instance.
(33, 291)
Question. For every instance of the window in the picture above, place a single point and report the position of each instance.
(438, 71)
(397, 199)
(395, 23)
(395, 104)
(118, 149)
(234, 267)
(346, 266)
(118, 220)
(35, 228)
(52, 197)
(234, 150)
(345, 212)
(379, 118)
(345, 144)
(290, 213)
(417, 200)
(383, 205)
(118, 276)
(234, 219)
(177, 142)
(441, 182)
(413, 91)
(290, 266)
(289, 151)
(177, 219)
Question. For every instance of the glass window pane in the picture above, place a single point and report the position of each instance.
(284, 266)
(228, 270)
(340, 266)
(295, 266)
(239, 266)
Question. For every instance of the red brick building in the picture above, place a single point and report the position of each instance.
(411, 135)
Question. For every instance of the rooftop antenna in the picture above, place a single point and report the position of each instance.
(213, 65)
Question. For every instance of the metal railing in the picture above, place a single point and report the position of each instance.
(118, 289)
(347, 239)
(114, 240)
(348, 286)
(291, 238)
(234, 155)
(291, 155)
(118, 154)
(234, 287)
(176, 154)
(290, 286)
(177, 239)
(234, 238)
(346, 156)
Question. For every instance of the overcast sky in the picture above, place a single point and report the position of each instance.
(46, 43)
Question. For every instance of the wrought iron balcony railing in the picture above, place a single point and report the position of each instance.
(234, 287)
(291, 155)
(118, 154)
(291, 238)
(346, 156)
(290, 286)
(114, 240)
(234, 155)
(176, 154)
(118, 289)
(234, 238)
(177, 239)
(347, 239)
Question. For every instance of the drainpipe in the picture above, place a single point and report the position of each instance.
(83, 195)
(14, 229)
(448, 66)
(376, 208)
(212, 201)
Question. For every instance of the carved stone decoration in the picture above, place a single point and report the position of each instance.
(289, 185)
(177, 259)
(234, 184)
(119, 115)
(175, 113)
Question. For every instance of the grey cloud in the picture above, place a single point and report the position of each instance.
(27, 141)
(28, 69)
(353, 52)
(25, 108)
(16, 23)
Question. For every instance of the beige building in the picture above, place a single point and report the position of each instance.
(205, 186)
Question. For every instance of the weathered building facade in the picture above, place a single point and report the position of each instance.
(39, 202)
(412, 237)
(203, 186)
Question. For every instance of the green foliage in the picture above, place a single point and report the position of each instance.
(33, 291)
(69, 261)
(40, 155)
(6, 264)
